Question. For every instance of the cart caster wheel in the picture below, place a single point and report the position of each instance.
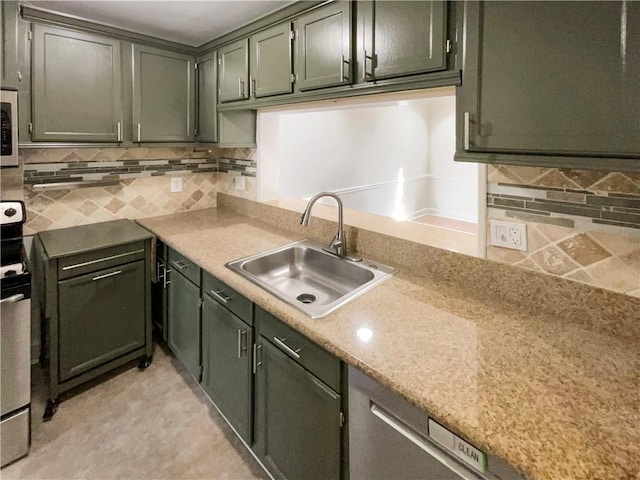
(50, 410)
(145, 361)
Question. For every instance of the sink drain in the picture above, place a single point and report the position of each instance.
(306, 298)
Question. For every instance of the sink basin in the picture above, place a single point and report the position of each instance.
(310, 278)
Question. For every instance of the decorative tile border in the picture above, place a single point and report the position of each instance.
(548, 205)
(57, 172)
(246, 168)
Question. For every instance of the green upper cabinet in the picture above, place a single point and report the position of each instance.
(163, 95)
(9, 44)
(323, 44)
(233, 71)
(402, 38)
(270, 61)
(76, 86)
(207, 130)
(551, 83)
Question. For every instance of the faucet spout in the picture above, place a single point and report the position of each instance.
(338, 245)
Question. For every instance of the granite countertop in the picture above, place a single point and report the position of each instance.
(551, 397)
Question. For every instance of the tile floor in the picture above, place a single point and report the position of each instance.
(151, 424)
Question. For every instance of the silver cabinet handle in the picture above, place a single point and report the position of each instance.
(12, 299)
(240, 88)
(166, 280)
(467, 130)
(366, 74)
(159, 274)
(287, 348)
(257, 349)
(220, 296)
(251, 90)
(242, 345)
(106, 275)
(418, 442)
(103, 259)
(119, 127)
(138, 133)
(342, 62)
(179, 264)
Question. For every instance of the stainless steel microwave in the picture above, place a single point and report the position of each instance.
(9, 145)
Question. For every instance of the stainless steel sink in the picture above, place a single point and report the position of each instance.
(311, 279)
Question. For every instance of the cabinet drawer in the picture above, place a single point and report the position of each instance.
(227, 296)
(298, 347)
(100, 259)
(180, 263)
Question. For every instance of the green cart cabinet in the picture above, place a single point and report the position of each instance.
(323, 44)
(402, 38)
(207, 130)
(270, 61)
(226, 364)
(298, 425)
(9, 44)
(110, 298)
(184, 312)
(164, 90)
(94, 283)
(76, 86)
(554, 80)
(233, 71)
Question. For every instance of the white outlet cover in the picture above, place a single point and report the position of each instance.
(176, 184)
(508, 234)
(240, 185)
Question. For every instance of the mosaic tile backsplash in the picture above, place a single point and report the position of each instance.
(142, 188)
(583, 225)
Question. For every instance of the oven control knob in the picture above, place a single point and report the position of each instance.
(10, 212)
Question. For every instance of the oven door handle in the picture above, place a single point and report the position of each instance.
(13, 298)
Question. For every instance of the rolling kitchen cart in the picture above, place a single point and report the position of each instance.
(95, 299)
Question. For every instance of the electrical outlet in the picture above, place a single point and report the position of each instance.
(176, 184)
(508, 234)
(239, 182)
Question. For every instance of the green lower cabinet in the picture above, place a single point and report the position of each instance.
(226, 364)
(184, 322)
(298, 419)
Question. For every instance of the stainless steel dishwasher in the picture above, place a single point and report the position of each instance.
(391, 439)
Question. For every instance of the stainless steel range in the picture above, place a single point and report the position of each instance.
(15, 335)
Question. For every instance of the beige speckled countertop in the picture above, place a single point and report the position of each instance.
(555, 399)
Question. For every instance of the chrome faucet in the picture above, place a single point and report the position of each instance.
(338, 245)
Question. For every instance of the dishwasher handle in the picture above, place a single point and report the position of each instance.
(432, 450)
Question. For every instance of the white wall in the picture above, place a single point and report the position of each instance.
(393, 158)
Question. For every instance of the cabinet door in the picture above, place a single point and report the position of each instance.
(159, 299)
(163, 95)
(9, 44)
(556, 78)
(297, 432)
(324, 46)
(208, 98)
(233, 71)
(270, 65)
(403, 37)
(76, 86)
(101, 317)
(184, 322)
(226, 364)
